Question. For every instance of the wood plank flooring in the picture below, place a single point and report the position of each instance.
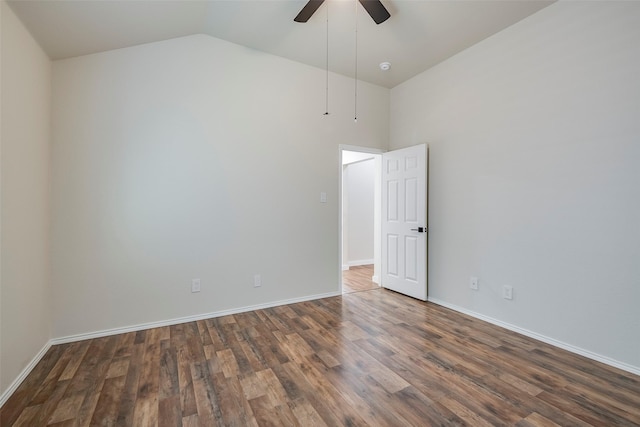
(367, 358)
(357, 279)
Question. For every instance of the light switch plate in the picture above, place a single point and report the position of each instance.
(507, 292)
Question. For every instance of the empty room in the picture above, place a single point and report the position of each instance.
(177, 193)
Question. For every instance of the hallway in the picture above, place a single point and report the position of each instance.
(358, 279)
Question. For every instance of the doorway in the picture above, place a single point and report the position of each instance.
(360, 218)
(400, 224)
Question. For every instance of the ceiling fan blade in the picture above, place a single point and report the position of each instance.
(308, 10)
(376, 9)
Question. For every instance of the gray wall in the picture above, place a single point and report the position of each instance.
(359, 199)
(25, 293)
(195, 158)
(534, 151)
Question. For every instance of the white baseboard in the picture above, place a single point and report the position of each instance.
(375, 279)
(176, 321)
(134, 328)
(573, 349)
(97, 334)
(359, 262)
(345, 267)
(25, 372)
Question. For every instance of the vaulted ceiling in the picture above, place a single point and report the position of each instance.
(419, 34)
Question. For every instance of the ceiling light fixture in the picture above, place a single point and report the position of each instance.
(385, 66)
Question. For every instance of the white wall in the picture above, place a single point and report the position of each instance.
(196, 158)
(359, 194)
(25, 313)
(534, 178)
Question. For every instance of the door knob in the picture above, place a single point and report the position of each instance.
(420, 229)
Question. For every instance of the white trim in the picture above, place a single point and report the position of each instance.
(359, 161)
(573, 349)
(134, 328)
(375, 279)
(80, 337)
(359, 262)
(25, 372)
(360, 149)
(162, 323)
(345, 267)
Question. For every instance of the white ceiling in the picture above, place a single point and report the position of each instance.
(419, 34)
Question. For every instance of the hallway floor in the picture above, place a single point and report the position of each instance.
(358, 279)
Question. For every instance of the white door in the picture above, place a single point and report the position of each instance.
(404, 221)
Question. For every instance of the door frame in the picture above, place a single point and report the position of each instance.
(377, 208)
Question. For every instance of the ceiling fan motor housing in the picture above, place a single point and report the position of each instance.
(374, 8)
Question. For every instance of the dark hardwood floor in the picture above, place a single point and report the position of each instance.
(357, 279)
(367, 358)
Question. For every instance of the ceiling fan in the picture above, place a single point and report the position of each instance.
(374, 8)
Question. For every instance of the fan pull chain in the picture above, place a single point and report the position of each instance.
(326, 111)
(355, 102)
